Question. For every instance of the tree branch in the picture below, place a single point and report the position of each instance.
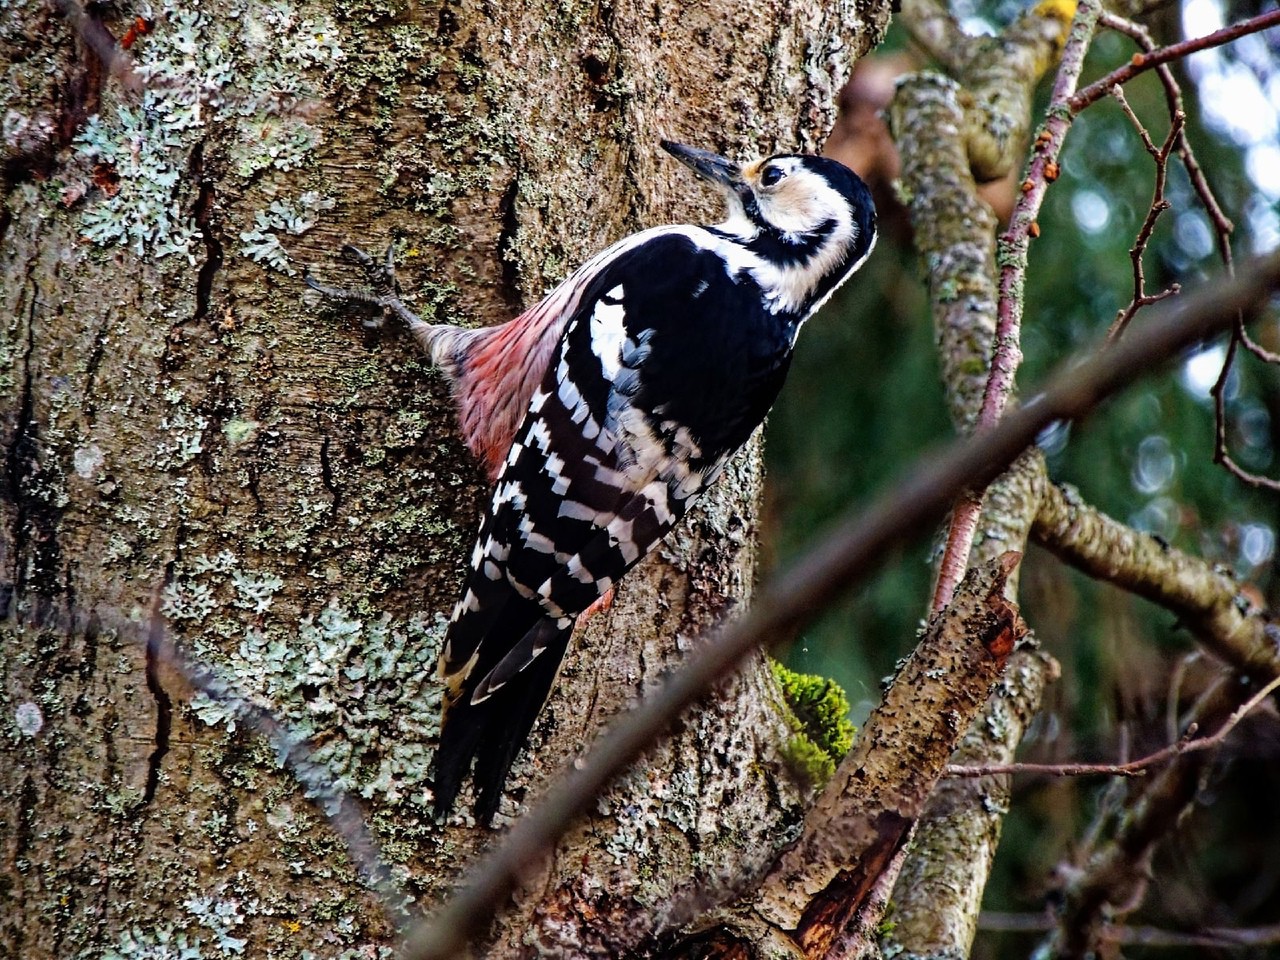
(115, 60)
(863, 816)
(934, 28)
(951, 854)
(829, 571)
(1207, 601)
(1210, 603)
(1012, 258)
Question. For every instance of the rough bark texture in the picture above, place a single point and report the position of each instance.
(173, 411)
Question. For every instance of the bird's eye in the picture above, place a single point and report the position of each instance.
(771, 176)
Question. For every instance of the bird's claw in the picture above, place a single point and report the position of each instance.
(383, 292)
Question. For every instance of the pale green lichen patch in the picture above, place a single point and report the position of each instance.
(207, 930)
(364, 690)
(207, 933)
(820, 722)
(238, 430)
(253, 72)
(261, 242)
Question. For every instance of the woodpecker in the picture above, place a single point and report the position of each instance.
(605, 410)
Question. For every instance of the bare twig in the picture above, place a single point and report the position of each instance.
(1221, 448)
(1222, 227)
(1222, 224)
(1174, 697)
(1012, 256)
(1159, 204)
(1223, 937)
(1175, 51)
(827, 572)
(1109, 883)
(1134, 768)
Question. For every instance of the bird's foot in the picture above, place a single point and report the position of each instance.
(383, 291)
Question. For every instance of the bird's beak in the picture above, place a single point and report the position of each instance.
(710, 166)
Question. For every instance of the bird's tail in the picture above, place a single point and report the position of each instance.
(491, 729)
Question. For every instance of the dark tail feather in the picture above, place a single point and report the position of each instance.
(494, 730)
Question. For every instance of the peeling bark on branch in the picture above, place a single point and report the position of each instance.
(952, 852)
(863, 817)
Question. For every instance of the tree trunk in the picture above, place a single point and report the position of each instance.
(178, 417)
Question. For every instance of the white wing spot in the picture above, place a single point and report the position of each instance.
(624, 538)
(509, 492)
(555, 469)
(608, 331)
(576, 570)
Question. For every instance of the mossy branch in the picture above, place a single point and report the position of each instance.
(1205, 597)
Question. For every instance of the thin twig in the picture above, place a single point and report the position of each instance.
(1223, 937)
(1134, 768)
(1221, 447)
(1177, 677)
(1106, 883)
(1159, 204)
(1222, 225)
(827, 572)
(115, 60)
(1143, 62)
(1012, 255)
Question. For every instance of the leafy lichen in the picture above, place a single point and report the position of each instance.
(252, 72)
(363, 689)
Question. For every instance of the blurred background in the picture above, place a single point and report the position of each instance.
(863, 401)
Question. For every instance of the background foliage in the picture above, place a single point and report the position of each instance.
(863, 399)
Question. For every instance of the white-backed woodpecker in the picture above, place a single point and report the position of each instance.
(605, 410)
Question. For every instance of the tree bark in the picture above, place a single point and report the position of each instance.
(178, 417)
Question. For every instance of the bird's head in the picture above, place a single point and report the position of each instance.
(811, 217)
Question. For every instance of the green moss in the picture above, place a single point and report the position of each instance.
(820, 714)
(807, 761)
